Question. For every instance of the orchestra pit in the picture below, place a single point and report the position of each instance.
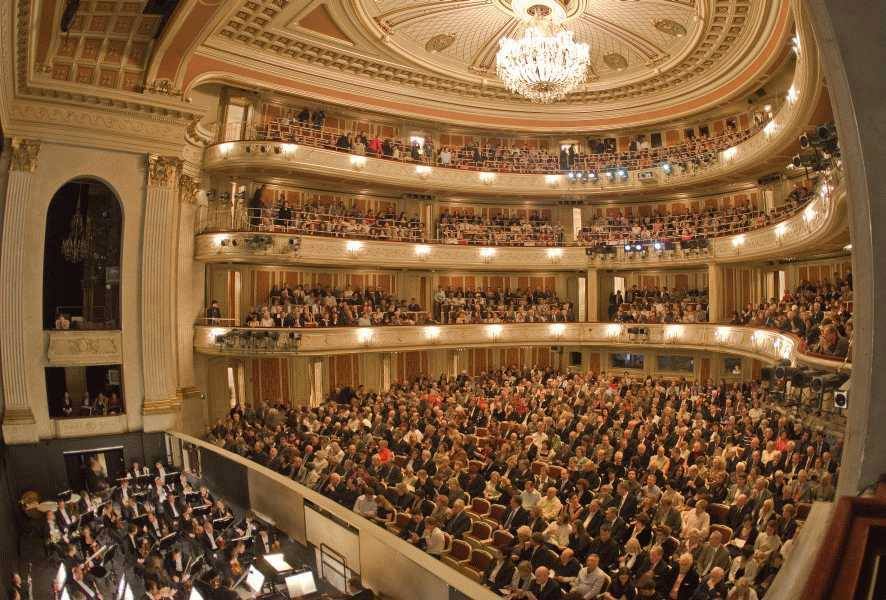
(454, 300)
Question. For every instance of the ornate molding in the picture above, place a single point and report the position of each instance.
(157, 406)
(67, 348)
(88, 427)
(19, 416)
(163, 171)
(24, 155)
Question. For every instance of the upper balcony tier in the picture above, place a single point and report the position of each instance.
(768, 145)
(819, 225)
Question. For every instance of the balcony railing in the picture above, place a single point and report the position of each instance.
(762, 344)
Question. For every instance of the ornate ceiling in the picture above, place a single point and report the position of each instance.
(651, 60)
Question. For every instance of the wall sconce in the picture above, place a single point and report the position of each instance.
(358, 162)
(795, 44)
(770, 128)
(555, 254)
(494, 331)
(557, 329)
(793, 94)
(738, 241)
(730, 153)
(225, 149)
(432, 332)
(422, 250)
(487, 253)
(364, 336)
(780, 230)
(487, 178)
(848, 247)
(722, 334)
(289, 149)
(613, 330)
(759, 337)
(353, 246)
(552, 180)
(423, 171)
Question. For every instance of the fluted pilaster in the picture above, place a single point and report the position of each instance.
(159, 332)
(18, 418)
(188, 291)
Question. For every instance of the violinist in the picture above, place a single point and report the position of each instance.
(158, 492)
(84, 583)
(156, 592)
(63, 518)
(161, 470)
(208, 539)
(205, 496)
(18, 591)
(155, 572)
(71, 557)
(88, 544)
(131, 542)
(220, 511)
(122, 494)
(137, 471)
(221, 590)
(131, 510)
(232, 568)
(171, 509)
(174, 564)
(153, 527)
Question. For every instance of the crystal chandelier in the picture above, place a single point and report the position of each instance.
(81, 237)
(544, 63)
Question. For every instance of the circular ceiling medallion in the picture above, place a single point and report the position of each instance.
(440, 42)
(669, 27)
(615, 61)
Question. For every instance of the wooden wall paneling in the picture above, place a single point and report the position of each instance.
(681, 281)
(704, 371)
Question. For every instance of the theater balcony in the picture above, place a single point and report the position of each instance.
(818, 226)
(764, 345)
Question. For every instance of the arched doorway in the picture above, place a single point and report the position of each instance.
(81, 257)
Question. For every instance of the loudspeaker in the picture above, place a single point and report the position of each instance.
(841, 399)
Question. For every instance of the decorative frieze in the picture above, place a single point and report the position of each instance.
(68, 348)
(89, 427)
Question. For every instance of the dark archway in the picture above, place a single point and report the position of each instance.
(81, 257)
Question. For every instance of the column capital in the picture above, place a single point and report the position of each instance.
(163, 171)
(24, 155)
(188, 189)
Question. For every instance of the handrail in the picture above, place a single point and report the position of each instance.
(452, 577)
(762, 344)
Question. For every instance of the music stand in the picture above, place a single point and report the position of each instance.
(195, 595)
(222, 523)
(253, 578)
(166, 542)
(301, 584)
(61, 576)
(64, 496)
(201, 511)
(192, 497)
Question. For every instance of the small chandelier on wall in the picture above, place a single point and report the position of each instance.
(81, 236)
(544, 63)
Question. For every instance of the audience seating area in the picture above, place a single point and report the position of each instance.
(689, 155)
(498, 231)
(820, 313)
(454, 305)
(659, 305)
(301, 306)
(517, 476)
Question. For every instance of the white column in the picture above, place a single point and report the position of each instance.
(317, 395)
(715, 293)
(189, 291)
(593, 295)
(19, 426)
(159, 332)
(385, 372)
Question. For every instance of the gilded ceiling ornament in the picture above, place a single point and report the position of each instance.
(24, 155)
(669, 27)
(440, 42)
(615, 61)
(163, 170)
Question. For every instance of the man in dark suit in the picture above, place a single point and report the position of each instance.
(516, 516)
(658, 567)
(738, 512)
(544, 587)
(500, 573)
(458, 522)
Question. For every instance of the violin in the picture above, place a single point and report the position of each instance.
(236, 569)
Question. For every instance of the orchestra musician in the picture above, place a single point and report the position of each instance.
(175, 564)
(84, 583)
(53, 535)
(17, 589)
(266, 542)
(138, 471)
(96, 478)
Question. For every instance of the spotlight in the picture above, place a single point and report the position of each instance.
(658, 247)
(592, 175)
(828, 382)
(841, 396)
(800, 378)
(628, 247)
(666, 168)
(623, 173)
(571, 175)
(224, 242)
(638, 247)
